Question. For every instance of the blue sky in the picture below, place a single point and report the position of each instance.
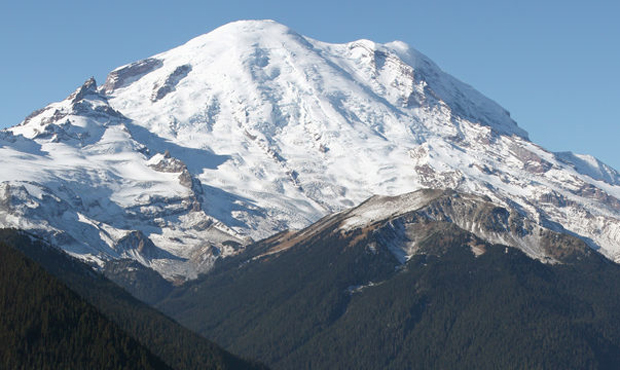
(555, 65)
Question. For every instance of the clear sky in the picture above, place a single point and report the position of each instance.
(555, 65)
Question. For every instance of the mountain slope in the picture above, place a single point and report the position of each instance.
(178, 347)
(186, 156)
(44, 325)
(400, 283)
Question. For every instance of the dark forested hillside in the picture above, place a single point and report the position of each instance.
(44, 325)
(176, 346)
(331, 303)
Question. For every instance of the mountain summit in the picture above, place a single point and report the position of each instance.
(186, 156)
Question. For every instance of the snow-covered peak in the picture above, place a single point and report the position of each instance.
(252, 129)
(80, 118)
(228, 42)
(259, 63)
(246, 32)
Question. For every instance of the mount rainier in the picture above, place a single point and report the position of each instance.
(189, 155)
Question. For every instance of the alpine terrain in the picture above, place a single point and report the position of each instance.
(188, 156)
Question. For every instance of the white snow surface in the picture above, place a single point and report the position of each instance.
(252, 128)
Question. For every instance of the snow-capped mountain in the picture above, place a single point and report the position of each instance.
(251, 129)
